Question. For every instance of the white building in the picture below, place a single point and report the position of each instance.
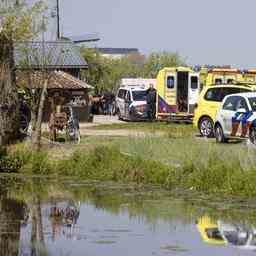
(117, 53)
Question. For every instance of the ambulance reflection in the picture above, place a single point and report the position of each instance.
(63, 217)
(223, 233)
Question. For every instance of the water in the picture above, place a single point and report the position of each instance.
(47, 217)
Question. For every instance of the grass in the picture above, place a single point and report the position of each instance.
(188, 163)
(176, 160)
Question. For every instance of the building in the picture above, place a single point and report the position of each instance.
(63, 63)
(117, 53)
(51, 55)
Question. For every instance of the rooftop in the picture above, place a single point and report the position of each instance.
(57, 80)
(58, 55)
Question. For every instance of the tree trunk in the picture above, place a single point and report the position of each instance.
(36, 137)
(9, 107)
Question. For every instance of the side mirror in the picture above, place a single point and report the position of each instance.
(241, 110)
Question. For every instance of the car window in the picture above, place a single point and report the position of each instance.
(241, 103)
(218, 81)
(231, 103)
(128, 96)
(252, 102)
(194, 82)
(170, 82)
(230, 81)
(139, 95)
(121, 93)
(218, 94)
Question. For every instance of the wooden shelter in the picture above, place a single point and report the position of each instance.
(63, 63)
(63, 89)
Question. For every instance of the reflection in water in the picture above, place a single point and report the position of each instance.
(101, 219)
(223, 233)
(63, 219)
(209, 231)
(13, 214)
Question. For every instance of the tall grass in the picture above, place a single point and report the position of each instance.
(178, 163)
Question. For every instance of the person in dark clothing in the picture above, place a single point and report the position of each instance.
(151, 102)
(108, 99)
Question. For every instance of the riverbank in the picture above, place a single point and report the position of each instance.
(185, 163)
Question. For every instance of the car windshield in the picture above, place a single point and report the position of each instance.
(253, 103)
(139, 95)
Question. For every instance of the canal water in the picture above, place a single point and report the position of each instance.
(52, 217)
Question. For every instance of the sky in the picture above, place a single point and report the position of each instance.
(216, 32)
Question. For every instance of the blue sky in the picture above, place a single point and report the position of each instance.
(202, 31)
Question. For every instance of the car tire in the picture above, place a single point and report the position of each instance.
(206, 127)
(219, 134)
(252, 135)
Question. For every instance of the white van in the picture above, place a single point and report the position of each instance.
(131, 103)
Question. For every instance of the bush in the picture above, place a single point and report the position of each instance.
(8, 163)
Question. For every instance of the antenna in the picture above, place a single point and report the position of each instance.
(58, 19)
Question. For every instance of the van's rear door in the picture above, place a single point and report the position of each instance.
(194, 85)
(170, 92)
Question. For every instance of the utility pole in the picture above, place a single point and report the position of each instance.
(58, 19)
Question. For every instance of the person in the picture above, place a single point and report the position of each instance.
(151, 102)
(108, 99)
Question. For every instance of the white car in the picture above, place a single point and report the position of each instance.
(131, 103)
(236, 118)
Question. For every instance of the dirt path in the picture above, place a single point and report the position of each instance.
(117, 132)
(86, 129)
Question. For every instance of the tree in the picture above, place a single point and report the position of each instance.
(18, 22)
(35, 77)
(106, 73)
(157, 61)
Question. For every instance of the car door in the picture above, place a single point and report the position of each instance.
(121, 101)
(127, 102)
(228, 112)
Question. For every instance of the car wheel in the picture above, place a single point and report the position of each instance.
(252, 135)
(219, 134)
(206, 127)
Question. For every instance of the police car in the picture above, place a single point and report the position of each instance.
(236, 118)
(131, 103)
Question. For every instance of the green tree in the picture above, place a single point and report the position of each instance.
(105, 73)
(18, 22)
(157, 61)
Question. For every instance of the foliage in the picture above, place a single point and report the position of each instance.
(21, 21)
(8, 163)
(105, 73)
(206, 169)
(157, 61)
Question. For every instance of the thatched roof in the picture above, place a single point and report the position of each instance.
(57, 80)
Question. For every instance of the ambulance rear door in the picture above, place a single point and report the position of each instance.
(194, 88)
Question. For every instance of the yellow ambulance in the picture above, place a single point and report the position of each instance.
(177, 93)
(216, 76)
